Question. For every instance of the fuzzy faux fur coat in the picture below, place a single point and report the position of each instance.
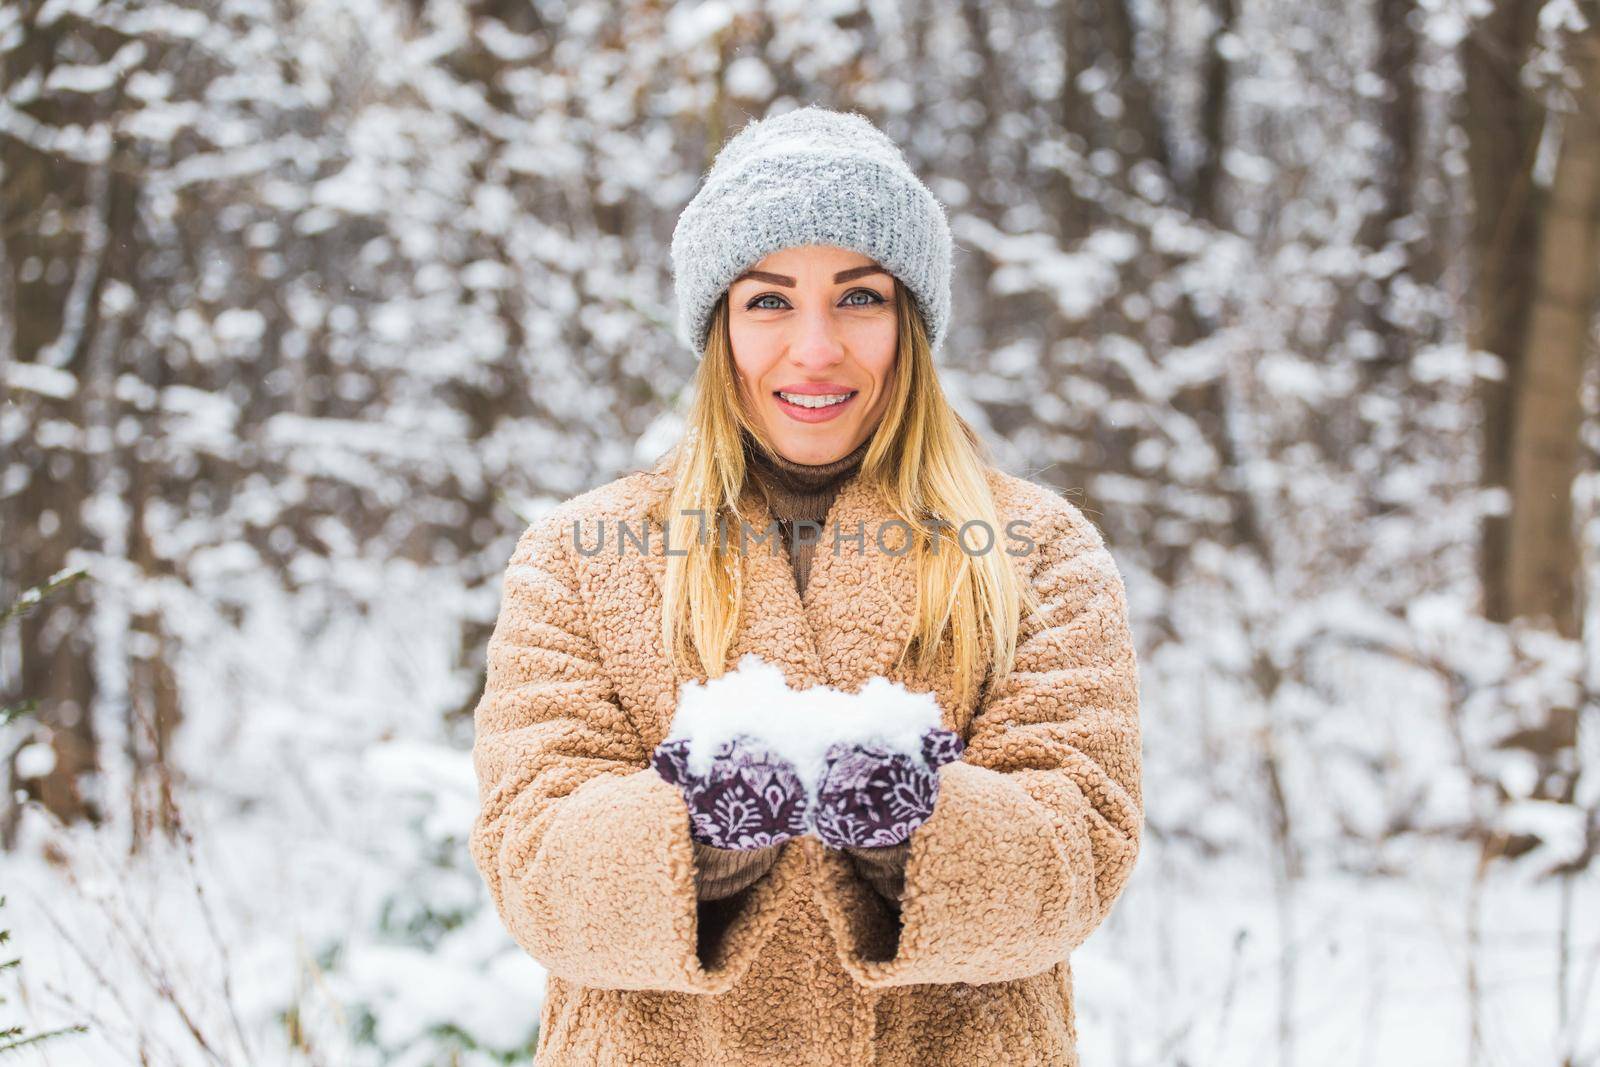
(586, 850)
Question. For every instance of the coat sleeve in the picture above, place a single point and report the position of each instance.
(584, 847)
(1036, 828)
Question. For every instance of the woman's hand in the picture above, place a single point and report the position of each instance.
(871, 797)
(750, 798)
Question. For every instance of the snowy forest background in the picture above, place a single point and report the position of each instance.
(307, 307)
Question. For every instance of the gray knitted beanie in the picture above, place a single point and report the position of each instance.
(811, 176)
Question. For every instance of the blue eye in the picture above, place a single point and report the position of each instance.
(876, 299)
(757, 305)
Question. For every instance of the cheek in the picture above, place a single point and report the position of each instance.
(879, 361)
(752, 359)
(878, 342)
(752, 348)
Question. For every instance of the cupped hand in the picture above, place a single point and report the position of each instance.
(871, 796)
(749, 798)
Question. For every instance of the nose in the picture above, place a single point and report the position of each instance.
(817, 344)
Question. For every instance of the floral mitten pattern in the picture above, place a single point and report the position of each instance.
(871, 796)
(749, 798)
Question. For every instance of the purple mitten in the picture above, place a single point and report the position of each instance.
(750, 797)
(871, 796)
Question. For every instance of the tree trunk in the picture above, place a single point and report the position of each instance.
(1503, 122)
(1543, 578)
(47, 326)
(1538, 288)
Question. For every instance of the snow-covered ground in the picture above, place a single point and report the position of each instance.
(328, 913)
(1221, 964)
(1203, 965)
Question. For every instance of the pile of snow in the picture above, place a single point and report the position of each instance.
(755, 700)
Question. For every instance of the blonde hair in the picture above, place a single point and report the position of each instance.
(923, 456)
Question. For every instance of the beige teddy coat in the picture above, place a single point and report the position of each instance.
(586, 850)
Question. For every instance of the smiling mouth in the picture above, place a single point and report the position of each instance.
(815, 401)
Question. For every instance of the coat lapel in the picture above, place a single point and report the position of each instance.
(861, 598)
(858, 605)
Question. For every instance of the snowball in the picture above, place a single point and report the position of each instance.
(798, 724)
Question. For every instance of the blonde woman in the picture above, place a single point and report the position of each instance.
(827, 510)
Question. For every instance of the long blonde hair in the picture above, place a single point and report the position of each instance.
(923, 456)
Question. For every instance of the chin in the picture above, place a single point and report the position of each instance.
(814, 449)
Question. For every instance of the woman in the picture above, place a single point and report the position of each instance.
(812, 274)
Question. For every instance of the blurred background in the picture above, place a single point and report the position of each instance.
(308, 307)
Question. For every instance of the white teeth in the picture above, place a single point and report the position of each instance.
(821, 401)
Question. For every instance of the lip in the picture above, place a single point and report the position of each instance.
(816, 388)
(800, 414)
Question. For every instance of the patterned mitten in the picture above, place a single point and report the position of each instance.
(749, 798)
(872, 797)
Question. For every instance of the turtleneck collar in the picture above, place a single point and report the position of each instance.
(800, 490)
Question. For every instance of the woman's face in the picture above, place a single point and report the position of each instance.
(816, 323)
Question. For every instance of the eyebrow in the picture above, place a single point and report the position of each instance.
(785, 280)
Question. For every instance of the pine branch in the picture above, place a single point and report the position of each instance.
(11, 1038)
(32, 597)
(12, 712)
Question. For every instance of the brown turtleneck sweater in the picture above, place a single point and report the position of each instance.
(796, 492)
(800, 492)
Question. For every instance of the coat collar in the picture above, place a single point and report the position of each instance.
(859, 604)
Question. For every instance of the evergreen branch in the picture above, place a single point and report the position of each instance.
(32, 597)
(12, 712)
(34, 1039)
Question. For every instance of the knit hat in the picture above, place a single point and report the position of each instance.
(810, 176)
